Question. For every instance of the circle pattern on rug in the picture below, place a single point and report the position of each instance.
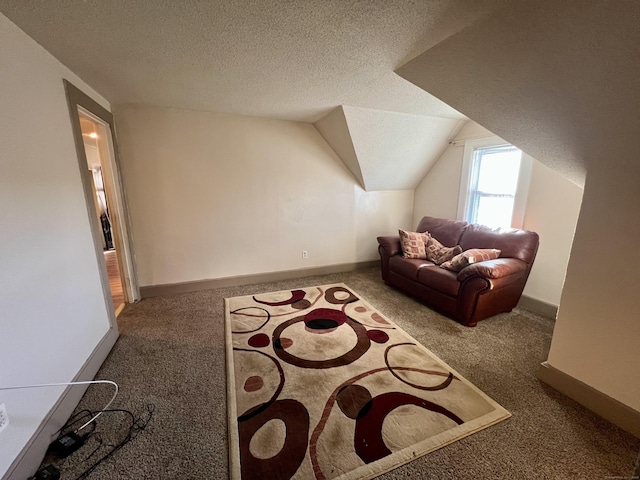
(268, 439)
(253, 383)
(322, 319)
(284, 463)
(339, 296)
(249, 319)
(352, 400)
(296, 296)
(259, 340)
(378, 336)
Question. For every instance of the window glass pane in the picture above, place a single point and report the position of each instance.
(495, 211)
(493, 185)
(498, 170)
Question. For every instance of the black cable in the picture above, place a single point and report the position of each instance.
(115, 448)
(75, 418)
(137, 425)
(58, 446)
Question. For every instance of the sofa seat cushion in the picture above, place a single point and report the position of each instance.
(408, 267)
(439, 279)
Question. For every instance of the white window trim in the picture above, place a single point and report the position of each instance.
(524, 178)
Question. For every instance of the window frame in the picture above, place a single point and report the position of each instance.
(466, 176)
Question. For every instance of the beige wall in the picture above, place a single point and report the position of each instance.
(334, 129)
(52, 309)
(552, 211)
(437, 193)
(214, 195)
(571, 98)
(598, 327)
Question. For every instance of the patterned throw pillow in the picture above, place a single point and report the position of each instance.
(438, 253)
(413, 244)
(473, 255)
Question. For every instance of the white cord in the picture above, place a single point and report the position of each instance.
(73, 383)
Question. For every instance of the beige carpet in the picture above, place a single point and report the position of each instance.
(321, 385)
(171, 353)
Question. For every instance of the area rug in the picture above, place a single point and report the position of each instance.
(322, 385)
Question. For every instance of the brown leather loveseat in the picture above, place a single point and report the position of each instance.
(476, 292)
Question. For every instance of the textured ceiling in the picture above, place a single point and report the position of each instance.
(557, 79)
(295, 59)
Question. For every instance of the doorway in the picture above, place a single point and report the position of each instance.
(106, 204)
(94, 136)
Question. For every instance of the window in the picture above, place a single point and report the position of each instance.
(495, 179)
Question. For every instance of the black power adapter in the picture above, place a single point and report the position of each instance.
(66, 444)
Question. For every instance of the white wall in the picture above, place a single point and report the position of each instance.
(553, 205)
(437, 193)
(52, 308)
(215, 195)
(569, 96)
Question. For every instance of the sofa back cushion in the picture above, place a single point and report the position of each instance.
(447, 232)
(520, 244)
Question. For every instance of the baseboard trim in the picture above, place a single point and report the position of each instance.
(29, 459)
(186, 287)
(538, 306)
(609, 408)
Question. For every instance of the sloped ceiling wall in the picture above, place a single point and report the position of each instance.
(534, 92)
(386, 150)
(335, 130)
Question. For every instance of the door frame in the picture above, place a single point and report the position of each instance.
(79, 101)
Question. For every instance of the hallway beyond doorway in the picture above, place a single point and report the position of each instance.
(115, 284)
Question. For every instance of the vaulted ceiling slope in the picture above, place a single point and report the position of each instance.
(557, 79)
(287, 59)
(386, 150)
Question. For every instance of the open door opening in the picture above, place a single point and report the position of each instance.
(106, 204)
(94, 137)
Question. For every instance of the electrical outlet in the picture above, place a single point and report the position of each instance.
(305, 254)
(4, 417)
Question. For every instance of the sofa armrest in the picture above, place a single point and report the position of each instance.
(493, 269)
(391, 245)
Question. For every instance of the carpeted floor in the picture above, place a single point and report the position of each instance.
(171, 354)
